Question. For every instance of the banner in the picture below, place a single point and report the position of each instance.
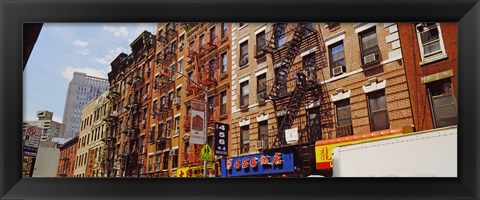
(197, 132)
(221, 139)
(32, 140)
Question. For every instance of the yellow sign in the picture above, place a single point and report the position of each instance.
(206, 153)
(196, 171)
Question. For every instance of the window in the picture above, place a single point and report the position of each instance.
(175, 158)
(160, 130)
(430, 40)
(240, 25)
(261, 87)
(244, 94)
(223, 103)
(142, 145)
(244, 53)
(443, 103)
(168, 128)
(224, 30)
(181, 43)
(210, 106)
(223, 69)
(170, 99)
(245, 139)
(212, 34)
(377, 110)
(152, 134)
(174, 46)
(337, 59)
(263, 130)
(280, 33)
(165, 159)
(369, 47)
(177, 126)
(344, 118)
(179, 92)
(150, 159)
(260, 39)
(157, 162)
(179, 68)
(211, 69)
(154, 107)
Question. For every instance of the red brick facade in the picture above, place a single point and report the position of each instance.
(441, 68)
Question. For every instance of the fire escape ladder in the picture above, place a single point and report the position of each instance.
(291, 112)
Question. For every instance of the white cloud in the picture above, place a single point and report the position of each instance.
(68, 72)
(79, 43)
(111, 54)
(85, 52)
(118, 32)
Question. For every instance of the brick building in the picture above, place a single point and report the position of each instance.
(129, 109)
(313, 81)
(430, 55)
(66, 163)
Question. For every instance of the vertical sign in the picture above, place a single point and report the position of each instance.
(90, 162)
(197, 133)
(32, 140)
(221, 139)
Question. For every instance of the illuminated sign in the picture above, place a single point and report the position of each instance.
(257, 164)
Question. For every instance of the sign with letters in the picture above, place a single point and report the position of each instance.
(258, 164)
(221, 139)
(32, 140)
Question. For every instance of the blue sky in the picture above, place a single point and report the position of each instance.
(64, 48)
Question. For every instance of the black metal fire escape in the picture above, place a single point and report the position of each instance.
(297, 85)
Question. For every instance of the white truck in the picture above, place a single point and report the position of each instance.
(431, 153)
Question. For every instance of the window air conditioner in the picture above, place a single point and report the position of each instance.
(176, 101)
(369, 58)
(260, 144)
(338, 70)
(244, 60)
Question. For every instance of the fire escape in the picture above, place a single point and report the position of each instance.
(167, 58)
(202, 54)
(296, 86)
(110, 137)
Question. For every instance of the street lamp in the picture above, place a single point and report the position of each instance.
(165, 77)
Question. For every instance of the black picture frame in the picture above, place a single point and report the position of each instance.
(14, 13)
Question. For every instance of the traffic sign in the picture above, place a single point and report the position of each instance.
(206, 153)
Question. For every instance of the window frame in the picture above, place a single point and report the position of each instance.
(243, 53)
(244, 98)
(433, 56)
(370, 113)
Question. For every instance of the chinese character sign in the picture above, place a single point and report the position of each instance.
(257, 164)
(198, 134)
(221, 139)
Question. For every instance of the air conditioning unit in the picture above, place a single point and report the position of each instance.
(369, 58)
(260, 144)
(244, 60)
(176, 101)
(338, 70)
(172, 153)
(143, 122)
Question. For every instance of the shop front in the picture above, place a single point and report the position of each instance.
(269, 164)
(196, 171)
